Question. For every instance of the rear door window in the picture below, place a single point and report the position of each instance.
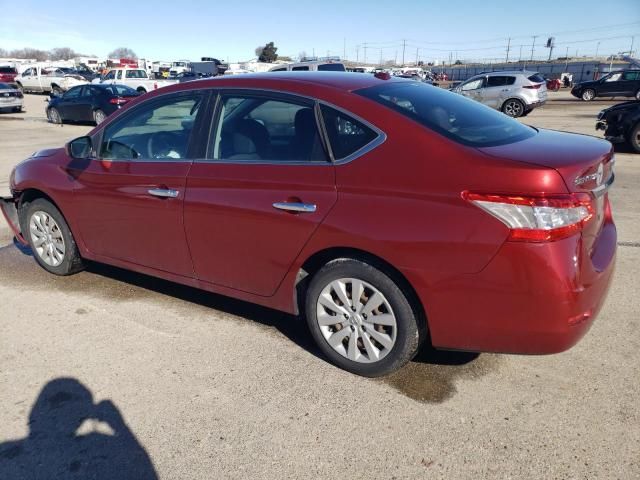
(331, 67)
(473, 84)
(346, 134)
(259, 128)
(496, 81)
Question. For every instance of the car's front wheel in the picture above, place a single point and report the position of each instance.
(361, 319)
(50, 238)
(513, 108)
(588, 95)
(53, 115)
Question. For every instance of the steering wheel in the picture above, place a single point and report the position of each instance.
(163, 145)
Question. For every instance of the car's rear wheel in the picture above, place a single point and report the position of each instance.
(53, 115)
(513, 107)
(50, 238)
(361, 319)
(588, 95)
(99, 116)
(634, 138)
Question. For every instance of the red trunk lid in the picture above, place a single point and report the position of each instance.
(584, 162)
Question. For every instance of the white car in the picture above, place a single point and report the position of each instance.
(311, 66)
(41, 79)
(136, 78)
(10, 98)
(71, 80)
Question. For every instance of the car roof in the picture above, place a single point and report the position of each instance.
(344, 81)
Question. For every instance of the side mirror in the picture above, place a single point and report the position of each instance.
(80, 148)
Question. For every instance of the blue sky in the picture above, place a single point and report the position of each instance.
(232, 29)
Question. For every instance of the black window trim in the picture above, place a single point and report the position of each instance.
(196, 133)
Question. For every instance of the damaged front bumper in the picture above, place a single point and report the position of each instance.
(10, 212)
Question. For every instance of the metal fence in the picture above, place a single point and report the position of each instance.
(582, 71)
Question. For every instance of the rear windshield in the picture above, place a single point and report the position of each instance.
(331, 67)
(121, 90)
(462, 120)
(536, 77)
(8, 70)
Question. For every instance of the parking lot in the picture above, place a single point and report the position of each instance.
(216, 388)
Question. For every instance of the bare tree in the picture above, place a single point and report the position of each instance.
(62, 53)
(258, 50)
(123, 52)
(30, 53)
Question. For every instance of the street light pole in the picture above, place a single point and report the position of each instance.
(533, 46)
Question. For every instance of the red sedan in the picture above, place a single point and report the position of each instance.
(388, 212)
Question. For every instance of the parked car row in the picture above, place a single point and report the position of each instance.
(309, 199)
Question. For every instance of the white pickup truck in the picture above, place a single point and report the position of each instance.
(39, 79)
(136, 78)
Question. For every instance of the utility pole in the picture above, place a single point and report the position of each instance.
(631, 48)
(364, 46)
(381, 57)
(520, 55)
(533, 46)
(417, 54)
(395, 60)
(566, 59)
(357, 53)
(344, 48)
(404, 47)
(597, 48)
(508, 48)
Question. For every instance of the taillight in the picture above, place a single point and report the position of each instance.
(118, 101)
(535, 87)
(542, 218)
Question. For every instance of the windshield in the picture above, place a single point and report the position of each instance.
(454, 116)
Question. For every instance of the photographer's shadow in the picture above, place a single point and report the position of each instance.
(71, 437)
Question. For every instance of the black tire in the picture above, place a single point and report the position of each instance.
(408, 333)
(513, 108)
(53, 115)
(17, 109)
(71, 261)
(634, 138)
(99, 116)
(588, 94)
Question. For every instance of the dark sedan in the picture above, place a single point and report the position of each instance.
(621, 123)
(89, 103)
(623, 83)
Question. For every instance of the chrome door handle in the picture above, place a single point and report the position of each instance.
(164, 192)
(295, 207)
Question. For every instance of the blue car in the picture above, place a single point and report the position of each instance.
(88, 103)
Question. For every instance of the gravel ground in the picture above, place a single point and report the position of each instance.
(162, 381)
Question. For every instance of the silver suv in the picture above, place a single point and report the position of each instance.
(515, 93)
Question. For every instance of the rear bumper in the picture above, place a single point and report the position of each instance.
(530, 299)
(10, 212)
(11, 102)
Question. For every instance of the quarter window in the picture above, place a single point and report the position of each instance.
(631, 76)
(346, 134)
(154, 130)
(256, 128)
(296, 69)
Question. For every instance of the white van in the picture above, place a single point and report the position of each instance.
(312, 66)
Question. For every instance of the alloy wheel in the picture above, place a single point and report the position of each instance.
(356, 320)
(588, 95)
(513, 108)
(47, 238)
